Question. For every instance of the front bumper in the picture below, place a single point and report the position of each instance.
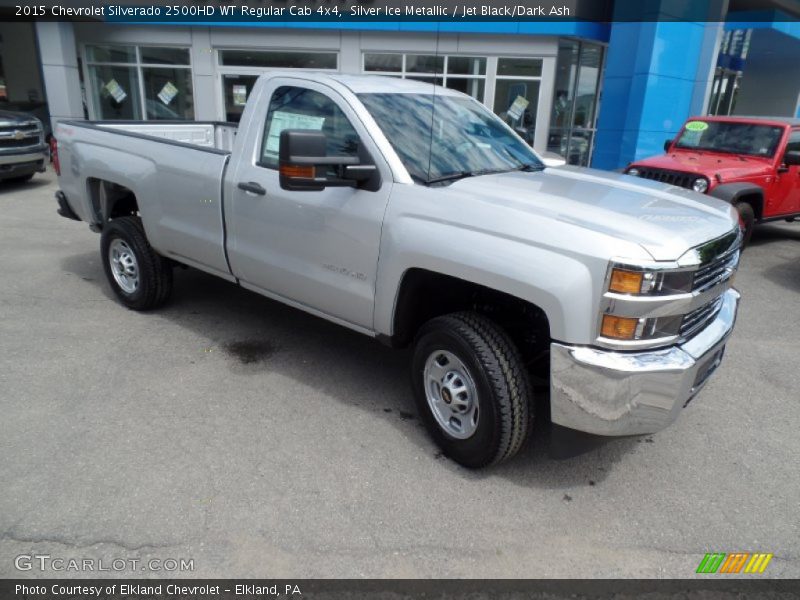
(610, 393)
(18, 163)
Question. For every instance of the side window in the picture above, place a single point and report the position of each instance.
(301, 108)
(793, 144)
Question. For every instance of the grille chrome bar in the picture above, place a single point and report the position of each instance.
(697, 319)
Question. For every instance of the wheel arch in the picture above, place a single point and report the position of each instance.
(423, 295)
(110, 200)
(734, 193)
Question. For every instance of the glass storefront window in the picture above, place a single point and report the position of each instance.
(115, 92)
(143, 87)
(519, 67)
(575, 98)
(279, 59)
(421, 63)
(516, 101)
(466, 65)
(168, 93)
(463, 73)
(236, 89)
(111, 54)
(388, 63)
(164, 56)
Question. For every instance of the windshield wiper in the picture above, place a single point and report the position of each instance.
(530, 167)
(454, 176)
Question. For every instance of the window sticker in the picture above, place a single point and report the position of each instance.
(286, 120)
(696, 126)
(239, 95)
(167, 93)
(517, 108)
(115, 90)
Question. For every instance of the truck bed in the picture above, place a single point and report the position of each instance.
(175, 170)
(206, 134)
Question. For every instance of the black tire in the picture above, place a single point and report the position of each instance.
(504, 398)
(748, 217)
(154, 271)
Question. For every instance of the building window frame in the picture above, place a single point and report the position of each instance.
(138, 65)
(444, 75)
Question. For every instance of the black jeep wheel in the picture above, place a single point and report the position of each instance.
(748, 217)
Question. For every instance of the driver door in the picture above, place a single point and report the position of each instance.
(316, 249)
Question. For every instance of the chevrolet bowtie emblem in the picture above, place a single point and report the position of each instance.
(18, 135)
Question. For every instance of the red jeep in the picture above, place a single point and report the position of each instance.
(751, 162)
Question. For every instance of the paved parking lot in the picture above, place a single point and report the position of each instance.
(262, 442)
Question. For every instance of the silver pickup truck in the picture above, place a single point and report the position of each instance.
(414, 215)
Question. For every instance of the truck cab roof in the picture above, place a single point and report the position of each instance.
(792, 122)
(371, 84)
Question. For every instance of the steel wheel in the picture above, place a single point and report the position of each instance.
(123, 264)
(451, 394)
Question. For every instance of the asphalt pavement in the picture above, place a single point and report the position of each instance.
(258, 441)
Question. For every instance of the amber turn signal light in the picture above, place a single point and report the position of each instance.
(297, 171)
(619, 328)
(625, 282)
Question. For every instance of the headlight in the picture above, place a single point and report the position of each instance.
(634, 172)
(639, 282)
(700, 185)
(625, 280)
(645, 328)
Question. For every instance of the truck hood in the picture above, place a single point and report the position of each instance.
(10, 118)
(663, 220)
(711, 165)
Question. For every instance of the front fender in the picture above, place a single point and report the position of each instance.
(563, 286)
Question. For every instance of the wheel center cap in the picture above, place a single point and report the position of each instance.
(446, 396)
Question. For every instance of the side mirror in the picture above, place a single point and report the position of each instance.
(667, 145)
(792, 158)
(303, 163)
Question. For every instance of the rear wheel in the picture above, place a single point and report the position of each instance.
(748, 218)
(471, 389)
(139, 276)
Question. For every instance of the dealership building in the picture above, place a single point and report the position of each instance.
(597, 93)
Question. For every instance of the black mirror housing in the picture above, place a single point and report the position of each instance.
(791, 158)
(302, 152)
(297, 152)
(667, 145)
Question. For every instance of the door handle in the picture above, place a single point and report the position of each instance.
(252, 187)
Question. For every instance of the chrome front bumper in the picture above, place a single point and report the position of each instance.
(610, 393)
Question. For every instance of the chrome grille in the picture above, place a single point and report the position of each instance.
(19, 135)
(697, 319)
(19, 127)
(21, 143)
(717, 271)
(677, 178)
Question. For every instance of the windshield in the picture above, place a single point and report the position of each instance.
(459, 139)
(726, 136)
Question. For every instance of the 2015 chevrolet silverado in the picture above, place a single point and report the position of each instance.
(412, 214)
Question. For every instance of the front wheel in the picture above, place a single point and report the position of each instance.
(472, 389)
(748, 218)
(139, 276)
